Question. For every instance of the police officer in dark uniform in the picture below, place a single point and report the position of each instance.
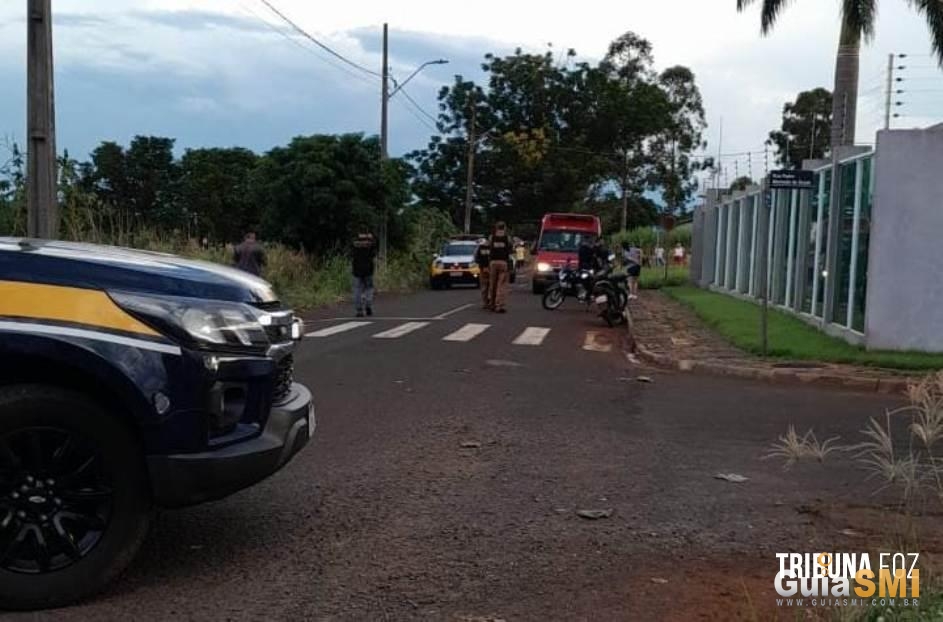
(500, 243)
(483, 259)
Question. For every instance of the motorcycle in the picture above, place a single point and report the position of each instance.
(572, 283)
(610, 294)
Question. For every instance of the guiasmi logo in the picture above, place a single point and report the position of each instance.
(848, 580)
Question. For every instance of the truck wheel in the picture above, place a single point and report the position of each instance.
(74, 497)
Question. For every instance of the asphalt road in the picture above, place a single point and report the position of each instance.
(386, 516)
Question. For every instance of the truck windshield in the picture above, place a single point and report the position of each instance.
(564, 241)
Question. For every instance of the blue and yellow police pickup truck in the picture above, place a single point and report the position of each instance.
(129, 380)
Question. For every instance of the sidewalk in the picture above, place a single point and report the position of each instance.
(669, 335)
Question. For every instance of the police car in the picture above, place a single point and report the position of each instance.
(129, 380)
(455, 263)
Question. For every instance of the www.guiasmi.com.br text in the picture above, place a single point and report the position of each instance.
(848, 602)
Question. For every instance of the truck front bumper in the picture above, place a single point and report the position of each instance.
(187, 479)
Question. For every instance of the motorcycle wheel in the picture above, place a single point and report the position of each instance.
(553, 298)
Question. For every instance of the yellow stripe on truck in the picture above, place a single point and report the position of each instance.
(67, 304)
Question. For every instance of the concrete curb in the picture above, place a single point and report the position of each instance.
(888, 385)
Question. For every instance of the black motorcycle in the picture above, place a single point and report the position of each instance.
(610, 294)
(572, 283)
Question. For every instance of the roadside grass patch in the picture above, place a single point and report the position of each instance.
(789, 337)
(654, 278)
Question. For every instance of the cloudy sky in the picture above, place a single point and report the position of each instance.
(228, 72)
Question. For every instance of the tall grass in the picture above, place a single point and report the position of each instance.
(908, 459)
(302, 280)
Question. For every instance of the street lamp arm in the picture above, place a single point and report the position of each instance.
(400, 85)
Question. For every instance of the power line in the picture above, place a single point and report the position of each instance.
(417, 116)
(248, 11)
(311, 38)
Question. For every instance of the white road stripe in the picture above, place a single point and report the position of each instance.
(402, 329)
(442, 316)
(532, 336)
(591, 343)
(340, 328)
(467, 332)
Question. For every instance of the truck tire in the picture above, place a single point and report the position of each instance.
(75, 502)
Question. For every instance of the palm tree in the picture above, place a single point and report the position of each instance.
(857, 25)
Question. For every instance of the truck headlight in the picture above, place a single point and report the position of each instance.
(543, 266)
(202, 323)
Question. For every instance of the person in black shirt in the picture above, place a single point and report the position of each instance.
(586, 254)
(600, 255)
(362, 260)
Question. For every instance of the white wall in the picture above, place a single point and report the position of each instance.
(905, 264)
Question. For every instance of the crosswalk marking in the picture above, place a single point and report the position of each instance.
(340, 328)
(467, 332)
(532, 336)
(593, 344)
(595, 341)
(402, 329)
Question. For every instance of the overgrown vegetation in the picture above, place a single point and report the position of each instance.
(647, 239)
(903, 455)
(789, 337)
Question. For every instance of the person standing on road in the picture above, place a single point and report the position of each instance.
(362, 259)
(632, 258)
(249, 255)
(586, 254)
(483, 259)
(600, 255)
(500, 245)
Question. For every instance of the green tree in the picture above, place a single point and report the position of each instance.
(152, 176)
(12, 190)
(552, 138)
(857, 24)
(316, 191)
(674, 168)
(215, 192)
(805, 129)
(741, 183)
(139, 184)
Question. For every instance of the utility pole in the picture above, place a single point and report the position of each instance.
(625, 192)
(472, 148)
(41, 192)
(887, 94)
(384, 129)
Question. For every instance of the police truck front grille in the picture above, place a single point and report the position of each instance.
(284, 376)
